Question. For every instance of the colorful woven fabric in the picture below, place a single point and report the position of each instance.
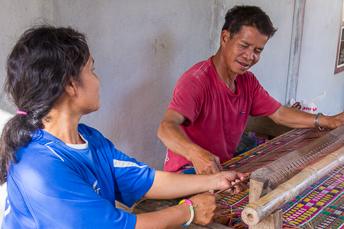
(272, 150)
(321, 205)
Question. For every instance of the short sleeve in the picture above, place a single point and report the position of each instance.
(57, 197)
(263, 104)
(187, 97)
(132, 178)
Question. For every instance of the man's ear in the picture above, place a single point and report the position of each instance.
(71, 88)
(225, 36)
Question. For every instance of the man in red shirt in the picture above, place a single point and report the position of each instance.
(213, 99)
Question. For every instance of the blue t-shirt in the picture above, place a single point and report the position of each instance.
(53, 185)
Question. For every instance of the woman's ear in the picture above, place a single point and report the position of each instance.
(71, 88)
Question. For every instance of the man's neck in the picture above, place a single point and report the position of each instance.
(223, 73)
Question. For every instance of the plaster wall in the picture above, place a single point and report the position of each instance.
(142, 47)
(140, 50)
(15, 17)
(318, 56)
(272, 68)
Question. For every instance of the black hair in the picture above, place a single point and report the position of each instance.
(42, 62)
(239, 16)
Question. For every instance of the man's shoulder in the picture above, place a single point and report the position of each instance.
(198, 70)
(197, 75)
(247, 78)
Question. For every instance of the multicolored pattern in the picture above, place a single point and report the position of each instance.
(321, 205)
(272, 150)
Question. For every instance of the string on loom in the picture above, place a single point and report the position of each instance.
(271, 151)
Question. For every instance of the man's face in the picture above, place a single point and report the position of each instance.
(242, 50)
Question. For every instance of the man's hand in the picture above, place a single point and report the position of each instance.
(175, 139)
(205, 162)
(332, 122)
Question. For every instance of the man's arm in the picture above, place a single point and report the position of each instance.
(175, 139)
(294, 118)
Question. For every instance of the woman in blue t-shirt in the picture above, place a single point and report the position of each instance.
(62, 174)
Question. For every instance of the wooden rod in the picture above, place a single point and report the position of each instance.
(254, 212)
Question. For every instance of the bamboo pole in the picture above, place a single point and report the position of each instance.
(254, 212)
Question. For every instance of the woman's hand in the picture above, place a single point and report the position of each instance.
(204, 206)
(230, 180)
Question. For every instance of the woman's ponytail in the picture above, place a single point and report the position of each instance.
(39, 67)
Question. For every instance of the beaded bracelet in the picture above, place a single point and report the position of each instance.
(192, 212)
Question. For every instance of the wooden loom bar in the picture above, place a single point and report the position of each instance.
(282, 169)
(256, 211)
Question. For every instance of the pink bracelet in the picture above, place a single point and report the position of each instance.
(192, 212)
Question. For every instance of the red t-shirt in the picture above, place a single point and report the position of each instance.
(217, 117)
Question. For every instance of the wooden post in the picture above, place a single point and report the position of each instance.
(257, 190)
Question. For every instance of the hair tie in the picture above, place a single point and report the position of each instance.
(24, 113)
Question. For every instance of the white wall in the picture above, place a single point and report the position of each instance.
(318, 52)
(15, 17)
(318, 56)
(142, 47)
(4, 117)
(140, 50)
(272, 69)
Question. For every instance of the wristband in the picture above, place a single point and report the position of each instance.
(317, 123)
(192, 212)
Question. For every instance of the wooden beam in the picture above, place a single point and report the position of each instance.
(289, 164)
(255, 212)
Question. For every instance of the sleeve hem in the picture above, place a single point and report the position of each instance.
(180, 111)
(143, 190)
(278, 105)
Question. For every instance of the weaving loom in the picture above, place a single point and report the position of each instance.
(321, 205)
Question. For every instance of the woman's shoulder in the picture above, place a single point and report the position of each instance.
(94, 136)
(34, 162)
(33, 151)
(86, 130)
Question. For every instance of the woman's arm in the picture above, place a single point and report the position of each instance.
(173, 185)
(204, 207)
